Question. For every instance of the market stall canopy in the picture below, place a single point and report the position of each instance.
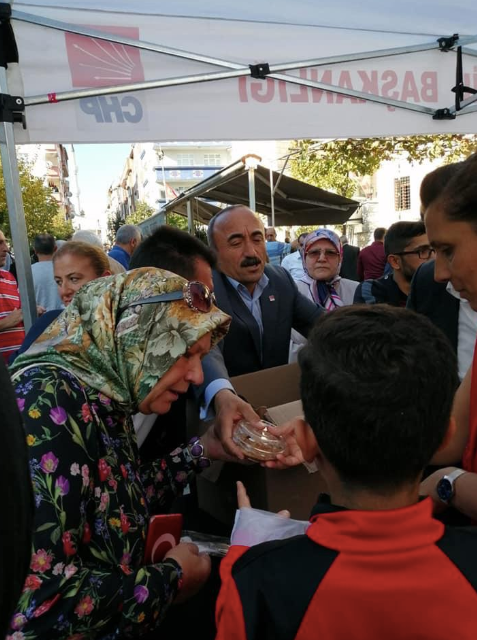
(296, 203)
(201, 212)
(113, 71)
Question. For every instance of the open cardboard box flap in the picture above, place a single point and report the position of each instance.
(294, 489)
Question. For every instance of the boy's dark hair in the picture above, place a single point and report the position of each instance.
(44, 244)
(172, 249)
(400, 234)
(434, 182)
(377, 385)
(458, 199)
(379, 233)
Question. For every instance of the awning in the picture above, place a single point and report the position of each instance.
(296, 203)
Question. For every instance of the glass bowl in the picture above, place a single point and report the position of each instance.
(258, 444)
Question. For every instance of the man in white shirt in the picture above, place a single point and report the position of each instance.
(293, 262)
(46, 290)
(446, 309)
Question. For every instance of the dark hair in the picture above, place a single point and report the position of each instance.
(44, 244)
(377, 411)
(379, 233)
(213, 220)
(17, 503)
(458, 199)
(434, 182)
(97, 257)
(400, 234)
(172, 249)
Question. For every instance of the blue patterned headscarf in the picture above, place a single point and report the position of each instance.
(324, 293)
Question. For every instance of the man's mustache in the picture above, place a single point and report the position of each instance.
(250, 262)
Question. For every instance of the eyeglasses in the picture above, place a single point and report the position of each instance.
(329, 254)
(197, 295)
(424, 253)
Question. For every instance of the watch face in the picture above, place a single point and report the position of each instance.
(444, 490)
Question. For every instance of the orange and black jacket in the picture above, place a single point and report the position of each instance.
(366, 575)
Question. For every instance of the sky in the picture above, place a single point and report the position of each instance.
(98, 166)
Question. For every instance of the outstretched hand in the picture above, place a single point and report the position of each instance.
(229, 409)
(244, 501)
(300, 441)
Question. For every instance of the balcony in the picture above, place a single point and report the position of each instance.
(185, 174)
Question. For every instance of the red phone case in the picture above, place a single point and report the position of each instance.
(164, 533)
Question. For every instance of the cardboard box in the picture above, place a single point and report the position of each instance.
(294, 489)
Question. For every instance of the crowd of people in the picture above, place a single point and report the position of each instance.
(96, 407)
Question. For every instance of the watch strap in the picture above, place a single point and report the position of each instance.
(452, 477)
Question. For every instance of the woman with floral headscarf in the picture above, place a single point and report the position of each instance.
(322, 255)
(125, 343)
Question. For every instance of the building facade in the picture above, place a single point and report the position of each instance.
(49, 162)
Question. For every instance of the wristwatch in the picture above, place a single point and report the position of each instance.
(445, 487)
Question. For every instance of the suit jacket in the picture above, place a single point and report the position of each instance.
(349, 265)
(242, 351)
(432, 299)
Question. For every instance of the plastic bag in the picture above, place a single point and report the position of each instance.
(254, 526)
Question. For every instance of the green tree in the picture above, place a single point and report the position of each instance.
(62, 229)
(114, 222)
(175, 220)
(335, 164)
(41, 208)
(142, 211)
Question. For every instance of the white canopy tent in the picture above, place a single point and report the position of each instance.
(377, 47)
(111, 71)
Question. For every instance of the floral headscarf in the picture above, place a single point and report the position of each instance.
(124, 355)
(324, 293)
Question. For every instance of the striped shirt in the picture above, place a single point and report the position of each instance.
(10, 339)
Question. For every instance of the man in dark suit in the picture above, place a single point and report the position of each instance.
(432, 299)
(265, 305)
(349, 264)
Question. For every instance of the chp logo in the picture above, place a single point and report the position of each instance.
(98, 63)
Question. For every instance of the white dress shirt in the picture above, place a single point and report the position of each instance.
(467, 332)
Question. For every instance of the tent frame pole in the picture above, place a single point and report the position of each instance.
(16, 213)
(190, 219)
(236, 70)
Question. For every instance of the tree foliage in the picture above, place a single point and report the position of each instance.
(142, 211)
(335, 164)
(41, 209)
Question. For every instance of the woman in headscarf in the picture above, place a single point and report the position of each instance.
(125, 343)
(322, 255)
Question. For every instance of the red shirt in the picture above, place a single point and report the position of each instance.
(371, 261)
(378, 575)
(10, 339)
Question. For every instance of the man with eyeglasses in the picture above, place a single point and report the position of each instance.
(406, 247)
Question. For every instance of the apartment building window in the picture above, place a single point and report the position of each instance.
(185, 160)
(212, 160)
(402, 194)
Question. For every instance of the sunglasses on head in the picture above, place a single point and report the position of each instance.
(196, 294)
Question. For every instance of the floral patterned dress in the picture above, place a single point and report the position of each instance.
(93, 499)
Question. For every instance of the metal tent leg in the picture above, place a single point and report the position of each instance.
(16, 212)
